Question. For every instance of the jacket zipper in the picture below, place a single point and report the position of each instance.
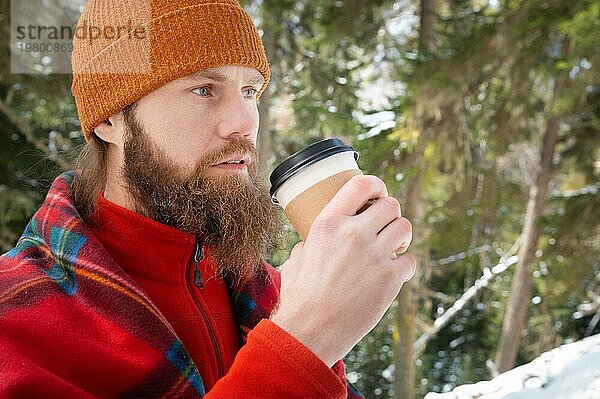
(198, 258)
(199, 282)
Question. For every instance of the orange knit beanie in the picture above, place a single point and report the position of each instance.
(125, 49)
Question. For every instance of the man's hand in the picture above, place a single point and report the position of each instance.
(338, 283)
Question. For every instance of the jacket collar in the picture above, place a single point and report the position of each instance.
(158, 250)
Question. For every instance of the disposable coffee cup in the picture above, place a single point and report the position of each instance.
(307, 180)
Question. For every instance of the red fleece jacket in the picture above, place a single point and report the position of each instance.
(161, 260)
(74, 324)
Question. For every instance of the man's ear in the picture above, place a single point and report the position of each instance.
(111, 130)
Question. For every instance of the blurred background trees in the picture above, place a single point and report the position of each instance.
(482, 118)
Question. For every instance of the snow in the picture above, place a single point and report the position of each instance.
(378, 121)
(571, 371)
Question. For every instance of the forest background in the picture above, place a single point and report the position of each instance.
(482, 118)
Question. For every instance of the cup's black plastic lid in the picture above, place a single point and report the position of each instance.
(305, 157)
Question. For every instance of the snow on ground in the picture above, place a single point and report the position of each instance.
(571, 371)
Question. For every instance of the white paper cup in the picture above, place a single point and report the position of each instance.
(306, 181)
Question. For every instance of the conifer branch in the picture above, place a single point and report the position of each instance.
(26, 131)
(465, 298)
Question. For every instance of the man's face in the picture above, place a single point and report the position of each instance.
(189, 161)
(201, 112)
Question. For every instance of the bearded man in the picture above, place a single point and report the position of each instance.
(141, 275)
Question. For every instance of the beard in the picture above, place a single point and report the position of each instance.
(232, 214)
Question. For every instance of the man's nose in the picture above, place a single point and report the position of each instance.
(238, 118)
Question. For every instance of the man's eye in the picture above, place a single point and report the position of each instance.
(249, 93)
(202, 91)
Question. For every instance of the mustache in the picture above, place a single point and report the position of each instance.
(227, 150)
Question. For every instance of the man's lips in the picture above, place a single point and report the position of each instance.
(235, 162)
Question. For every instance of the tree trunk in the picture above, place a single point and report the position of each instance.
(516, 311)
(405, 315)
(265, 137)
(427, 26)
(265, 143)
(414, 208)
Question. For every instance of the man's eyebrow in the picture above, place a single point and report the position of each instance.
(258, 79)
(205, 74)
